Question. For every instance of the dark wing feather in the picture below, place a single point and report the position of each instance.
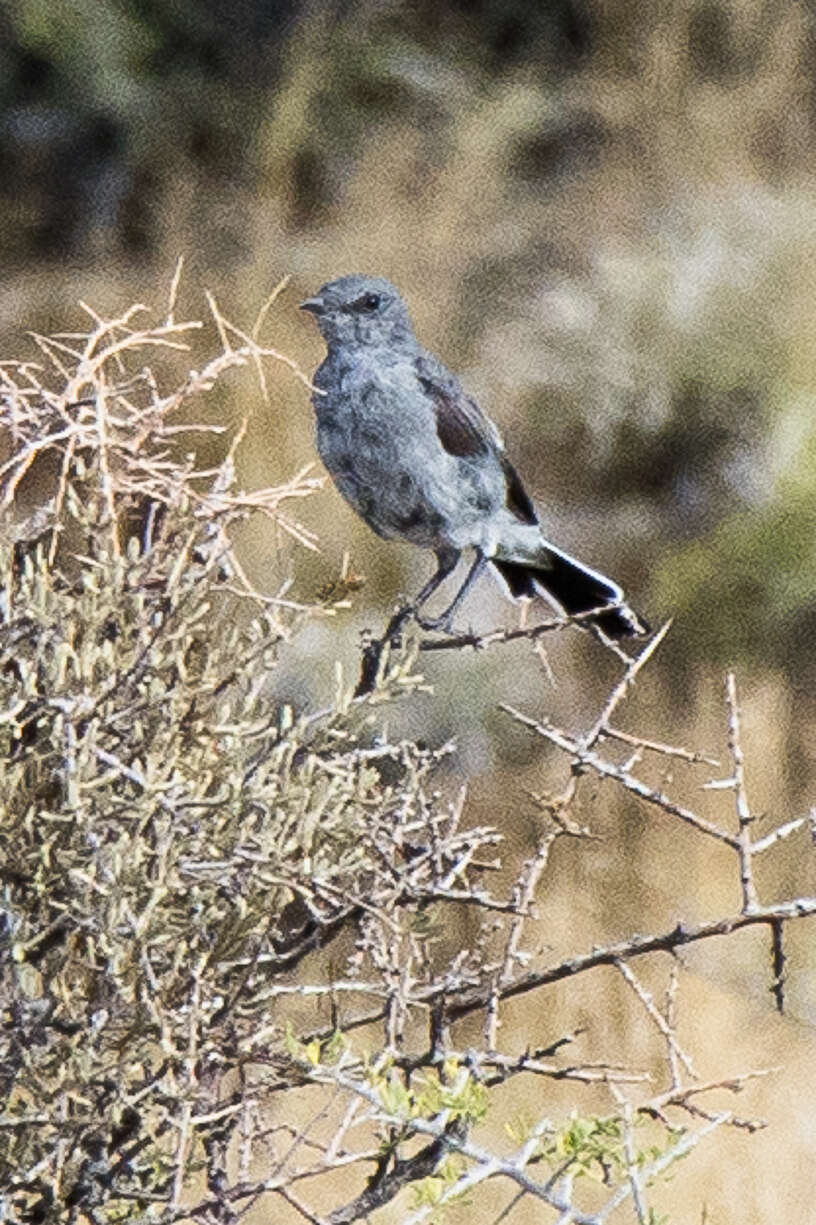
(462, 427)
(516, 496)
(465, 431)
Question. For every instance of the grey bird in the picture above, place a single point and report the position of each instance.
(419, 461)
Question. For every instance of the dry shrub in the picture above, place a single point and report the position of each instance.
(177, 844)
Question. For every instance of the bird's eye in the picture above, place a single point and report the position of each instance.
(369, 302)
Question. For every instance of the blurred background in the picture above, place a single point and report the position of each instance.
(603, 215)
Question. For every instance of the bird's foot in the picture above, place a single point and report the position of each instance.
(439, 625)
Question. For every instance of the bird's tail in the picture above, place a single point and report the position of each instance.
(574, 587)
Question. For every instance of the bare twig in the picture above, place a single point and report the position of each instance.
(750, 900)
(607, 769)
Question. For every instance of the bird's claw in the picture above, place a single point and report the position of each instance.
(438, 625)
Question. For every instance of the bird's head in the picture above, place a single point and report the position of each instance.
(359, 310)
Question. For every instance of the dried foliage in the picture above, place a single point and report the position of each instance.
(224, 981)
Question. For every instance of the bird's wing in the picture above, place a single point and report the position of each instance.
(462, 427)
(465, 431)
(516, 496)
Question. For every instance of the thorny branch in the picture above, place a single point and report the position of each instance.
(211, 899)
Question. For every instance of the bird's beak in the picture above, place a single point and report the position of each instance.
(315, 306)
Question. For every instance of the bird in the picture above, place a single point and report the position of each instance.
(418, 460)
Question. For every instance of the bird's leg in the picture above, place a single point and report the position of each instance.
(446, 561)
(443, 622)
